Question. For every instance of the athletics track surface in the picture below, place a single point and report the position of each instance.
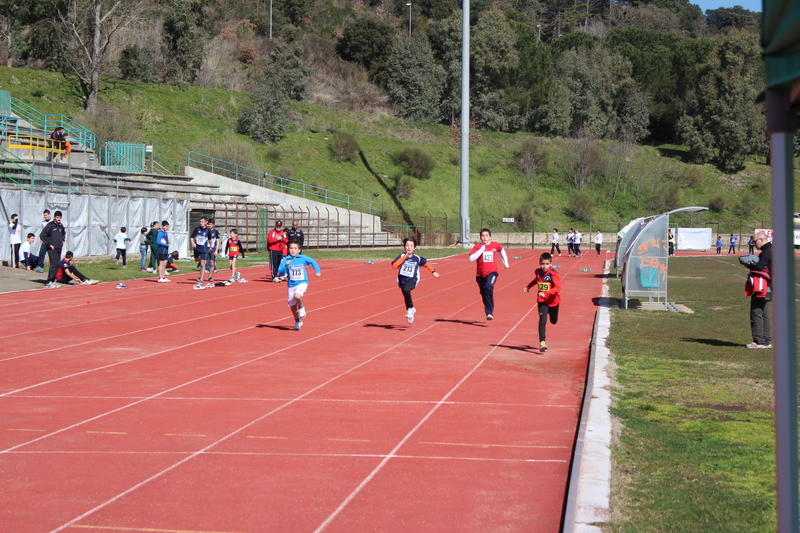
(163, 409)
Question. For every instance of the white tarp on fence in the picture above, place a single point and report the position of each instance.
(92, 221)
(694, 238)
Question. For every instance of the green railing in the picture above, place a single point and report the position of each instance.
(40, 122)
(285, 185)
(27, 168)
(128, 157)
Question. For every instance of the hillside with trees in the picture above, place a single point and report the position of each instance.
(569, 96)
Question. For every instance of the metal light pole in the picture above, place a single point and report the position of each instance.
(539, 27)
(465, 123)
(270, 20)
(409, 22)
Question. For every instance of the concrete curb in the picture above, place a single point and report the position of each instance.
(590, 478)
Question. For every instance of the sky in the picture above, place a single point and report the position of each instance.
(752, 5)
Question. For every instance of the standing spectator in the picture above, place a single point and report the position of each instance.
(761, 295)
(719, 244)
(199, 240)
(54, 234)
(295, 234)
(43, 246)
(213, 249)
(276, 244)
(163, 252)
(15, 238)
(152, 236)
(554, 243)
(751, 245)
(26, 258)
(144, 244)
(577, 239)
(734, 240)
(570, 242)
(55, 143)
(671, 242)
(122, 241)
(67, 146)
(598, 242)
(67, 272)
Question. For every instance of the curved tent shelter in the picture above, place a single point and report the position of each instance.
(780, 40)
(624, 237)
(646, 257)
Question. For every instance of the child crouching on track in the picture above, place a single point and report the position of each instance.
(294, 266)
(234, 250)
(548, 287)
(408, 275)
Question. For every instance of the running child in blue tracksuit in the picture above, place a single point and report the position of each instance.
(294, 266)
(408, 275)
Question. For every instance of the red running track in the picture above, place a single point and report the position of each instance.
(163, 409)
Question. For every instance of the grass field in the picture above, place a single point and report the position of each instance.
(694, 449)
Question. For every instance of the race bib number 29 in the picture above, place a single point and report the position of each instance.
(544, 286)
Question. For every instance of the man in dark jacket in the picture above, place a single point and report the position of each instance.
(295, 234)
(53, 235)
(155, 227)
(759, 312)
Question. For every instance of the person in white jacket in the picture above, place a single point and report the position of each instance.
(598, 242)
(554, 243)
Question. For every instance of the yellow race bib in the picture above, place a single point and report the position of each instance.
(544, 286)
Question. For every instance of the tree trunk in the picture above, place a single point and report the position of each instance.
(94, 75)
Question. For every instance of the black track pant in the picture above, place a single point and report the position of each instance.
(486, 286)
(544, 311)
(407, 285)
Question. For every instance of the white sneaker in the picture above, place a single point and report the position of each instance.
(91, 282)
(231, 279)
(489, 317)
(124, 266)
(52, 285)
(301, 312)
(298, 325)
(162, 280)
(199, 287)
(410, 315)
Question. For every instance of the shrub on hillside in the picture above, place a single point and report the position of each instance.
(136, 64)
(581, 206)
(416, 161)
(717, 204)
(691, 176)
(403, 185)
(264, 118)
(531, 158)
(747, 206)
(345, 147)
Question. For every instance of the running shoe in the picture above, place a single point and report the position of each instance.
(410, 315)
(766, 345)
(301, 312)
(210, 285)
(231, 279)
(199, 287)
(489, 317)
(542, 346)
(177, 270)
(52, 285)
(298, 325)
(91, 282)
(38, 269)
(276, 280)
(755, 345)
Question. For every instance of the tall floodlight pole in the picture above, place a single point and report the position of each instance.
(781, 125)
(465, 123)
(270, 20)
(539, 27)
(409, 22)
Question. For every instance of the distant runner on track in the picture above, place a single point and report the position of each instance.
(548, 287)
(485, 253)
(294, 266)
(408, 275)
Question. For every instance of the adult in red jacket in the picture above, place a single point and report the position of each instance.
(276, 244)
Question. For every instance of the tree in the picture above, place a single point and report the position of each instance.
(264, 118)
(15, 14)
(297, 11)
(184, 40)
(288, 71)
(529, 84)
(595, 96)
(446, 43)
(414, 82)
(89, 31)
(727, 117)
(367, 41)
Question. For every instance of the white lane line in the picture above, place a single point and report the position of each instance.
(249, 424)
(424, 419)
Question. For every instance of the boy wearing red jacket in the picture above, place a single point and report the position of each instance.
(548, 284)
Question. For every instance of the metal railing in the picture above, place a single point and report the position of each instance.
(27, 168)
(34, 147)
(128, 157)
(40, 122)
(285, 185)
